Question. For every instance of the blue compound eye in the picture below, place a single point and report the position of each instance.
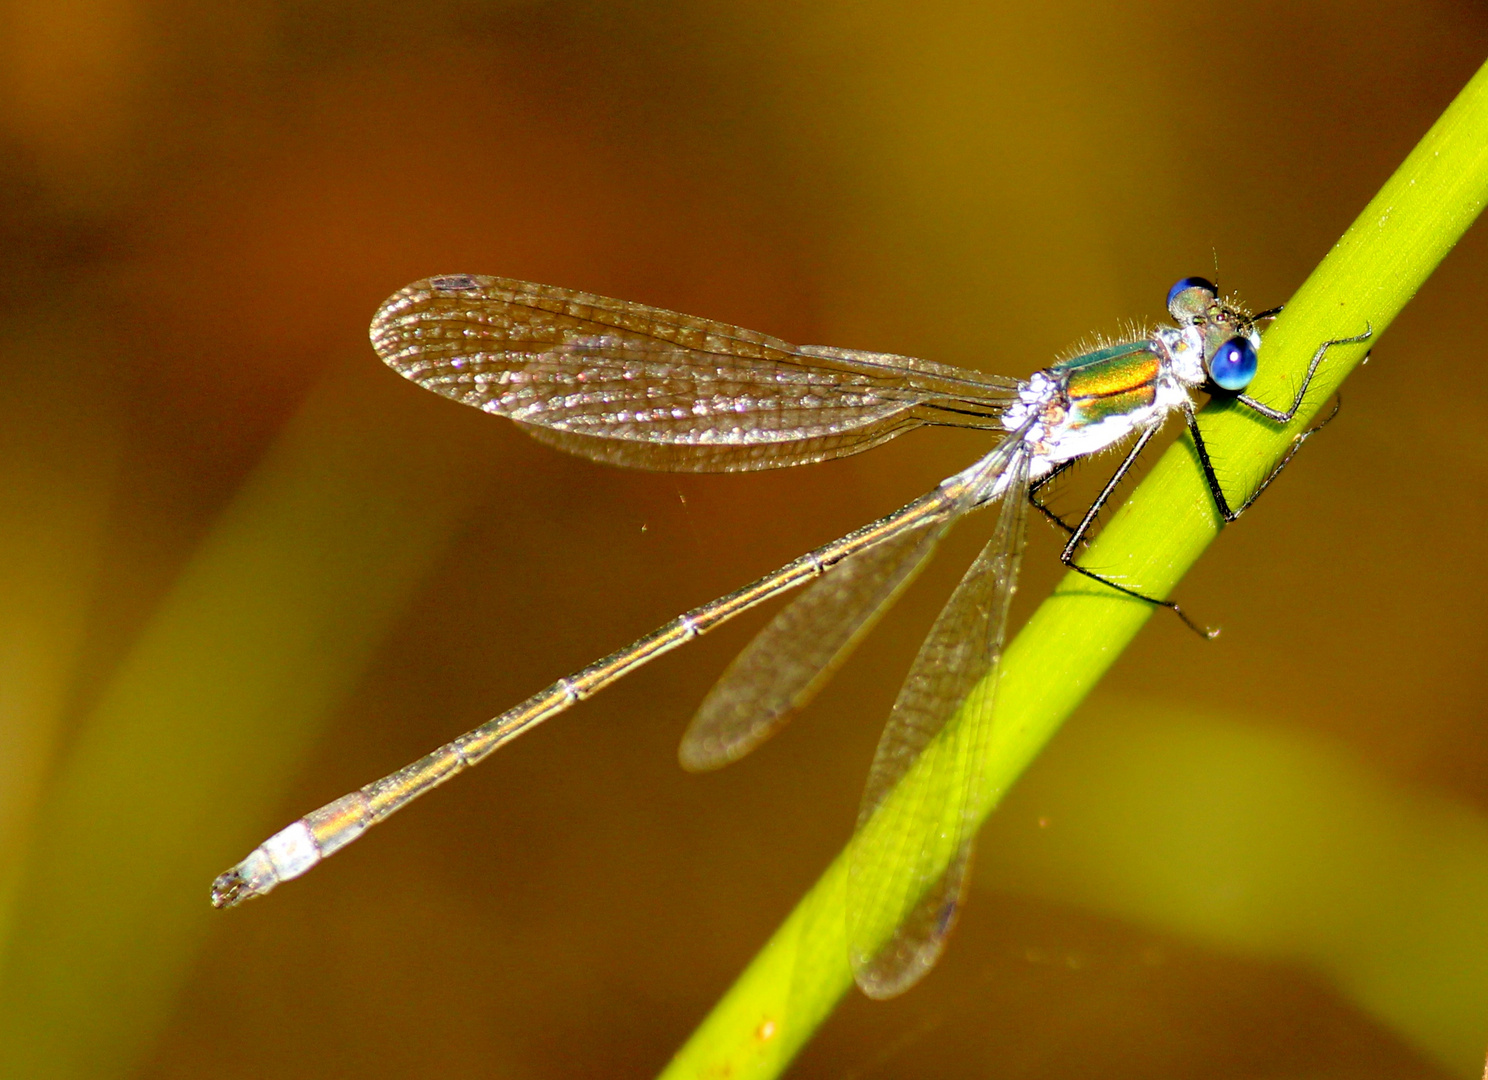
(1184, 300)
(1233, 364)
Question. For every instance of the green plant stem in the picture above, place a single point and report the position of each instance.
(1390, 250)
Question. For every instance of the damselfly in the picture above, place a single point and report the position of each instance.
(633, 385)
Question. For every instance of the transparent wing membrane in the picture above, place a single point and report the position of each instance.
(588, 369)
(798, 651)
(913, 873)
(714, 457)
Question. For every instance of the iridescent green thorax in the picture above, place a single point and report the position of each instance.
(1113, 381)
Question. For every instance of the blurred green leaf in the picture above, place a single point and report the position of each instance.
(186, 757)
(1286, 848)
(59, 459)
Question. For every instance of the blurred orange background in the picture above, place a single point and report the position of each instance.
(245, 568)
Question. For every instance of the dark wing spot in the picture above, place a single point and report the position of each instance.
(454, 283)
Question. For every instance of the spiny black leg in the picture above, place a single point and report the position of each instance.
(1077, 537)
(1213, 480)
(1067, 556)
(1281, 417)
(1215, 491)
(1038, 485)
(1276, 416)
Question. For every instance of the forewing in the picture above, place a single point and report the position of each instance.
(798, 651)
(714, 457)
(909, 870)
(602, 369)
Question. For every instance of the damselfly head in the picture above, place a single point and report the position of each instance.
(1225, 332)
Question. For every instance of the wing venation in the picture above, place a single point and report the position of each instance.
(576, 364)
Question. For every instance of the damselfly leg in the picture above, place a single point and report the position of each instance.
(1276, 416)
